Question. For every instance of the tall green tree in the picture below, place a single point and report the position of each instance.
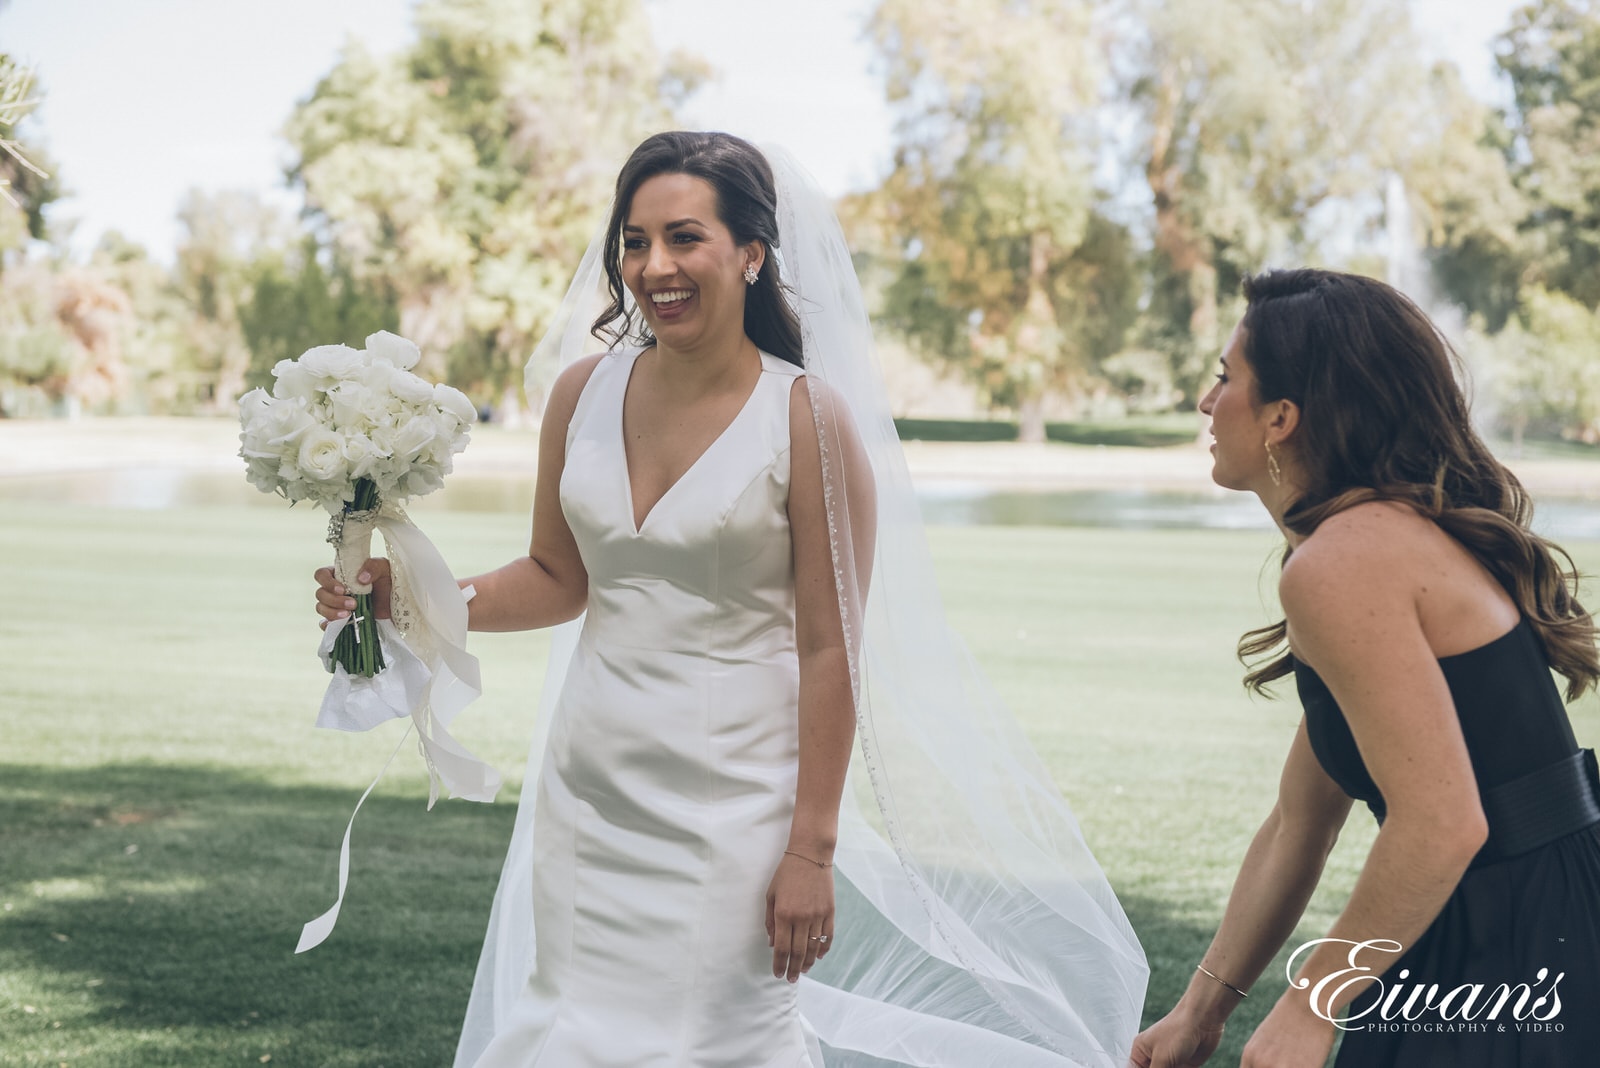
(1551, 55)
(466, 174)
(1264, 124)
(1005, 264)
(1458, 169)
(223, 235)
(303, 297)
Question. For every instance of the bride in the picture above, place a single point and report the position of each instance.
(773, 816)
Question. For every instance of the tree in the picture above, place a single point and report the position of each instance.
(1263, 122)
(297, 302)
(466, 175)
(27, 183)
(1540, 371)
(224, 234)
(157, 345)
(37, 355)
(1005, 263)
(1551, 54)
(1458, 171)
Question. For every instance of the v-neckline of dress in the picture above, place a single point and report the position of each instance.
(638, 524)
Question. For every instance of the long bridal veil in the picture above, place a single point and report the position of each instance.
(974, 928)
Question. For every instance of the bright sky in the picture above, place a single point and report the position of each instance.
(146, 99)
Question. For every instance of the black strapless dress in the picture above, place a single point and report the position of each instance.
(1530, 901)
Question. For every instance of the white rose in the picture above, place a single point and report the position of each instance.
(292, 381)
(257, 447)
(332, 362)
(394, 348)
(382, 437)
(439, 455)
(254, 409)
(452, 400)
(377, 375)
(252, 405)
(283, 424)
(453, 437)
(412, 437)
(360, 455)
(321, 456)
(274, 431)
(411, 389)
(353, 406)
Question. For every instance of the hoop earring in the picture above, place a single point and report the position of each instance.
(750, 274)
(1273, 470)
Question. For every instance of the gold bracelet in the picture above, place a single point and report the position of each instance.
(818, 863)
(1208, 972)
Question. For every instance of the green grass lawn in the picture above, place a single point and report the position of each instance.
(169, 818)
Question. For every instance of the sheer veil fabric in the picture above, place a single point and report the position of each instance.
(974, 928)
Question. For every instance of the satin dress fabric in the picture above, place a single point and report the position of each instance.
(667, 788)
(1521, 920)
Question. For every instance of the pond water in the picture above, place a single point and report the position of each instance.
(946, 503)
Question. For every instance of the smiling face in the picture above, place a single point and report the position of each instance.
(682, 264)
(1240, 425)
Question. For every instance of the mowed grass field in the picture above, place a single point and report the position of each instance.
(169, 818)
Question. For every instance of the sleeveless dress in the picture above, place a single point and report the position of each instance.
(1516, 911)
(668, 783)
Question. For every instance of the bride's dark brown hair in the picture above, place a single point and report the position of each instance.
(1382, 417)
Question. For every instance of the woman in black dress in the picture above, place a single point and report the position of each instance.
(1422, 622)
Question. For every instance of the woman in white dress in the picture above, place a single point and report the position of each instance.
(707, 503)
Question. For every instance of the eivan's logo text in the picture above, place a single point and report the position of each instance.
(1415, 1006)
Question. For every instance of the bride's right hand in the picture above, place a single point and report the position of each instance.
(1175, 1041)
(335, 602)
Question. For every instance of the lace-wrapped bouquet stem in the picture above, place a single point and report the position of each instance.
(356, 647)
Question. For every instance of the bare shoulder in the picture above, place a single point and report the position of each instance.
(1367, 555)
(569, 387)
(1370, 539)
(815, 403)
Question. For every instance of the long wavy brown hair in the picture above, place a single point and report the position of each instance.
(1382, 417)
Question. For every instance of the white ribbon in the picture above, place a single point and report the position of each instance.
(428, 676)
(314, 933)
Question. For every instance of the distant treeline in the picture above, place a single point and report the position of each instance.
(1077, 189)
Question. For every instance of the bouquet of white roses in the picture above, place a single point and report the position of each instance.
(352, 429)
(356, 431)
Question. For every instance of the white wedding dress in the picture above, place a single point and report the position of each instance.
(974, 927)
(668, 781)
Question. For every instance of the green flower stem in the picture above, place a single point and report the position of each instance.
(362, 657)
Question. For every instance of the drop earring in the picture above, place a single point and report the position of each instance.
(1273, 470)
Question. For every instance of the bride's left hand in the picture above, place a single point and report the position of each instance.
(799, 916)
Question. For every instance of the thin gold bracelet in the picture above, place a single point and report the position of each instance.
(1208, 972)
(802, 856)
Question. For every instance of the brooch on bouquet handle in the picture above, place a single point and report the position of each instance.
(357, 432)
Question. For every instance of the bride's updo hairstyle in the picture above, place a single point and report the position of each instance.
(747, 203)
(1382, 417)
